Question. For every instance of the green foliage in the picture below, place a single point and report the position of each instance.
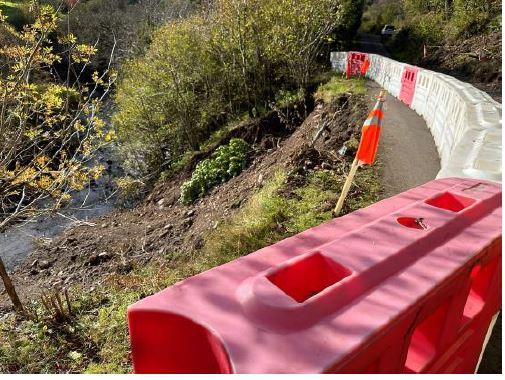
(431, 22)
(96, 339)
(380, 14)
(350, 21)
(167, 98)
(49, 128)
(253, 227)
(474, 16)
(338, 85)
(285, 98)
(121, 28)
(226, 162)
(201, 72)
(269, 216)
(313, 202)
(43, 346)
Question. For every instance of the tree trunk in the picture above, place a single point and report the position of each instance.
(11, 290)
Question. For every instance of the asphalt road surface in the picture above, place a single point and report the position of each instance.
(407, 152)
(409, 158)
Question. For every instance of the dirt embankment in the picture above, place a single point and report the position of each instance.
(163, 227)
(477, 60)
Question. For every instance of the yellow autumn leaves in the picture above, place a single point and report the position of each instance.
(50, 127)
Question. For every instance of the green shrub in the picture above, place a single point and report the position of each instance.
(226, 162)
(17, 12)
(285, 98)
(167, 99)
(428, 27)
(233, 58)
(473, 16)
(338, 85)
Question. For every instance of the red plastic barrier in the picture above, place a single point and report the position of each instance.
(355, 61)
(409, 284)
(408, 84)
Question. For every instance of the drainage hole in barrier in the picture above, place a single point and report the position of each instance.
(308, 277)
(451, 202)
(415, 223)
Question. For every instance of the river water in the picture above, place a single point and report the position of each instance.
(19, 241)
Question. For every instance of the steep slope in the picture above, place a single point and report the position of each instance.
(163, 228)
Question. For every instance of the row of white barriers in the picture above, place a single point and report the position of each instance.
(464, 121)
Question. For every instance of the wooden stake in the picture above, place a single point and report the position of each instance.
(350, 176)
(11, 290)
(347, 186)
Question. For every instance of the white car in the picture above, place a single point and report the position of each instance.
(388, 30)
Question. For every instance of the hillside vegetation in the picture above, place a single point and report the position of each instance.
(16, 12)
(462, 37)
(214, 116)
(290, 184)
(230, 61)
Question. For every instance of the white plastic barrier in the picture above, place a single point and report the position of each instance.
(375, 66)
(464, 121)
(338, 61)
(423, 85)
(392, 78)
(478, 155)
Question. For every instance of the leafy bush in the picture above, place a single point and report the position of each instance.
(233, 58)
(338, 85)
(285, 98)
(226, 162)
(49, 129)
(167, 99)
(16, 11)
(473, 16)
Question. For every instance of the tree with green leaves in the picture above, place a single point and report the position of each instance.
(232, 58)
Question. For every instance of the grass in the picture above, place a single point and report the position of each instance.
(339, 85)
(270, 216)
(96, 339)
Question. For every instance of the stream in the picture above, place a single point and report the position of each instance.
(20, 240)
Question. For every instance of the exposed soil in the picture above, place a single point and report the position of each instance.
(477, 60)
(162, 226)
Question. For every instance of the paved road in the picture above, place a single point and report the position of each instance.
(407, 151)
(409, 157)
(371, 43)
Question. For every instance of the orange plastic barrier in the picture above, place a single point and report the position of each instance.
(408, 84)
(407, 285)
(355, 62)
